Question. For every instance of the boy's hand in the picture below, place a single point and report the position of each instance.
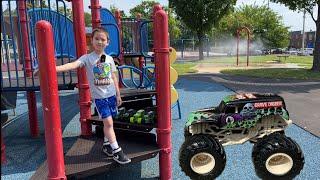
(119, 100)
(36, 72)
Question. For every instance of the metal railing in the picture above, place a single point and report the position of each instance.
(19, 56)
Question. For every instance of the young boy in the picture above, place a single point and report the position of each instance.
(104, 89)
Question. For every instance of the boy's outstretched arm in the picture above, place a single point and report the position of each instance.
(63, 68)
(68, 66)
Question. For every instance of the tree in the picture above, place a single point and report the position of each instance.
(113, 9)
(265, 25)
(308, 5)
(87, 19)
(201, 15)
(146, 10)
(67, 12)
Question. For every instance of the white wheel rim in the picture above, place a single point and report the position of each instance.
(279, 164)
(202, 163)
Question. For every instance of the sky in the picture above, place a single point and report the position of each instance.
(292, 19)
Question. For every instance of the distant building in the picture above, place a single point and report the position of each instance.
(296, 39)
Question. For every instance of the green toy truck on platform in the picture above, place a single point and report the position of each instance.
(258, 118)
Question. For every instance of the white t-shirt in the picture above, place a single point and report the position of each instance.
(99, 75)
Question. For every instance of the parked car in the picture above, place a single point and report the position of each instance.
(306, 52)
(276, 51)
(292, 51)
(266, 51)
(309, 51)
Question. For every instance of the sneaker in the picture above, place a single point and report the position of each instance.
(120, 157)
(106, 148)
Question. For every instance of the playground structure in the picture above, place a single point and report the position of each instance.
(42, 44)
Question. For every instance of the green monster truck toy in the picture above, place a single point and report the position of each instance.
(258, 118)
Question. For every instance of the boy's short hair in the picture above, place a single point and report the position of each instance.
(100, 30)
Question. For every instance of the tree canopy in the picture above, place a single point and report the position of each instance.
(308, 5)
(146, 10)
(265, 25)
(201, 15)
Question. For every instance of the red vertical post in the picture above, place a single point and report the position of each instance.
(33, 118)
(155, 9)
(3, 151)
(141, 59)
(162, 64)
(81, 46)
(117, 15)
(50, 100)
(24, 30)
(31, 97)
(95, 11)
(248, 47)
(238, 37)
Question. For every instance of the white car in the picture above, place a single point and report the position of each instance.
(306, 52)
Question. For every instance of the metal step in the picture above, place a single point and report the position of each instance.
(85, 157)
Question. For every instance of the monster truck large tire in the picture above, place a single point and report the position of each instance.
(277, 157)
(187, 135)
(202, 157)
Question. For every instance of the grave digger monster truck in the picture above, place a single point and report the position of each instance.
(258, 118)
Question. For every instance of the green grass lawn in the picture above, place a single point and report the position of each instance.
(184, 68)
(302, 73)
(259, 61)
(303, 61)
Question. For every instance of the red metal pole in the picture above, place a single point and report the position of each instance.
(33, 119)
(81, 46)
(3, 151)
(156, 8)
(161, 49)
(31, 97)
(50, 100)
(238, 36)
(24, 23)
(141, 59)
(248, 46)
(95, 11)
(117, 15)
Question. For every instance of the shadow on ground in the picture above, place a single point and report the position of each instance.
(22, 157)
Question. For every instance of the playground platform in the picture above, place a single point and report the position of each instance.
(85, 159)
(25, 154)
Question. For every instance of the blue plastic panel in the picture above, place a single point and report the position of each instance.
(64, 41)
(109, 23)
